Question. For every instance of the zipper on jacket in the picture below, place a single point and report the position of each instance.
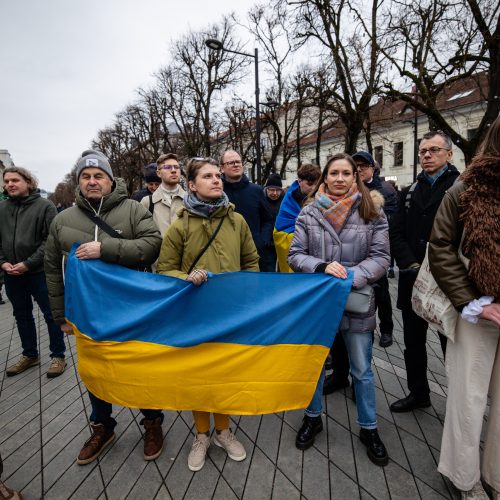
(15, 232)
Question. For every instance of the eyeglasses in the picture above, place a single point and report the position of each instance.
(433, 151)
(169, 167)
(363, 166)
(233, 163)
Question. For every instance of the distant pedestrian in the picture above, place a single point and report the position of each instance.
(151, 180)
(274, 196)
(208, 237)
(343, 230)
(471, 208)
(25, 221)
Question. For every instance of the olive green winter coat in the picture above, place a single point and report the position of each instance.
(139, 247)
(232, 250)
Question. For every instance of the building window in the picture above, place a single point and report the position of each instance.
(379, 155)
(398, 154)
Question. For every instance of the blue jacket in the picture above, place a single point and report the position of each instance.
(249, 200)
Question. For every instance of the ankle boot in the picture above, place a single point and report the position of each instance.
(375, 449)
(310, 427)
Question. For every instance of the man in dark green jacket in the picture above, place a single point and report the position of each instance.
(26, 218)
(130, 239)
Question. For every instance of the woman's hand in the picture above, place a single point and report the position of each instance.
(198, 277)
(491, 312)
(337, 270)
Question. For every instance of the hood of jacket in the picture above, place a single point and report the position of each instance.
(25, 200)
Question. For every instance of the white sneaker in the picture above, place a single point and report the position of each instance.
(196, 458)
(227, 440)
(477, 493)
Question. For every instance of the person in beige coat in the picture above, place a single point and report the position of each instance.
(471, 209)
(167, 199)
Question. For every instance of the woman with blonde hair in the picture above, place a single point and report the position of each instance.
(208, 237)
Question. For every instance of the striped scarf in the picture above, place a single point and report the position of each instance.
(336, 209)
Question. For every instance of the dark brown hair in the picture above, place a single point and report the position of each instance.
(26, 175)
(309, 172)
(194, 165)
(366, 209)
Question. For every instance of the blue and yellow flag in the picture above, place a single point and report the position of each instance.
(284, 227)
(242, 343)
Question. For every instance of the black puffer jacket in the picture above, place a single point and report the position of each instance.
(24, 227)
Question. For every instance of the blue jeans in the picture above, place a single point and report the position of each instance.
(101, 413)
(20, 290)
(359, 348)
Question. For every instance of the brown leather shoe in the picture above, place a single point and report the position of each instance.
(8, 494)
(100, 439)
(153, 438)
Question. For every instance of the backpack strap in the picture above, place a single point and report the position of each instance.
(103, 225)
(151, 204)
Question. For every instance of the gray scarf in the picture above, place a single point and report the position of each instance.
(204, 208)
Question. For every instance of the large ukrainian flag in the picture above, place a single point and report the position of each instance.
(243, 343)
(284, 227)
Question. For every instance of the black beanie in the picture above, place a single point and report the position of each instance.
(274, 180)
(150, 174)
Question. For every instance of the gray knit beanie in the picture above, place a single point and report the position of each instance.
(93, 159)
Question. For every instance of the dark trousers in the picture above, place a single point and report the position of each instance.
(415, 337)
(340, 358)
(384, 305)
(20, 290)
(267, 261)
(101, 413)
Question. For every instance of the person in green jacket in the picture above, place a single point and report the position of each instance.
(25, 220)
(207, 212)
(134, 243)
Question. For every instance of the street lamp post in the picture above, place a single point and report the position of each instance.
(214, 44)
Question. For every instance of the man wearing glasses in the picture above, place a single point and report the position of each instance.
(167, 199)
(410, 230)
(249, 200)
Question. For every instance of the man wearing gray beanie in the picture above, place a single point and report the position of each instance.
(128, 237)
(91, 158)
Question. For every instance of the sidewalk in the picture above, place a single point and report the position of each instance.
(43, 424)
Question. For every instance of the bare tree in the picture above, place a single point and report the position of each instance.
(433, 44)
(354, 55)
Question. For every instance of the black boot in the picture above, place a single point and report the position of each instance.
(385, 340)
(334, 383)
(375, 449)
(310, 427)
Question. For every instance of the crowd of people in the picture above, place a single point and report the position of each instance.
(342, 220)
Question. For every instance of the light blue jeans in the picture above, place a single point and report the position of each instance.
(359, 348)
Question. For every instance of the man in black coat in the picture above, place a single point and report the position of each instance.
(410, 230)
(249, 200)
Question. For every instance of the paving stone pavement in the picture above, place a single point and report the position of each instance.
(43, 424)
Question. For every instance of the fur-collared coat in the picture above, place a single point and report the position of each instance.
(473, 205)
(362, 247)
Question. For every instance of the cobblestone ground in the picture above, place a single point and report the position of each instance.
(43, 424)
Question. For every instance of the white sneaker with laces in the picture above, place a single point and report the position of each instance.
(227, 440)
(196, 458)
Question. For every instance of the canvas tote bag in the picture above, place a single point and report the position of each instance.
(429, 301)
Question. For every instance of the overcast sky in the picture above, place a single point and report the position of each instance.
(67, 66)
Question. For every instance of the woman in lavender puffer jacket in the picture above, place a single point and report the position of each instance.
(344, 228)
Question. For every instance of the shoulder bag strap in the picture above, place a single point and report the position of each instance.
(103, 225)
(212, 238)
